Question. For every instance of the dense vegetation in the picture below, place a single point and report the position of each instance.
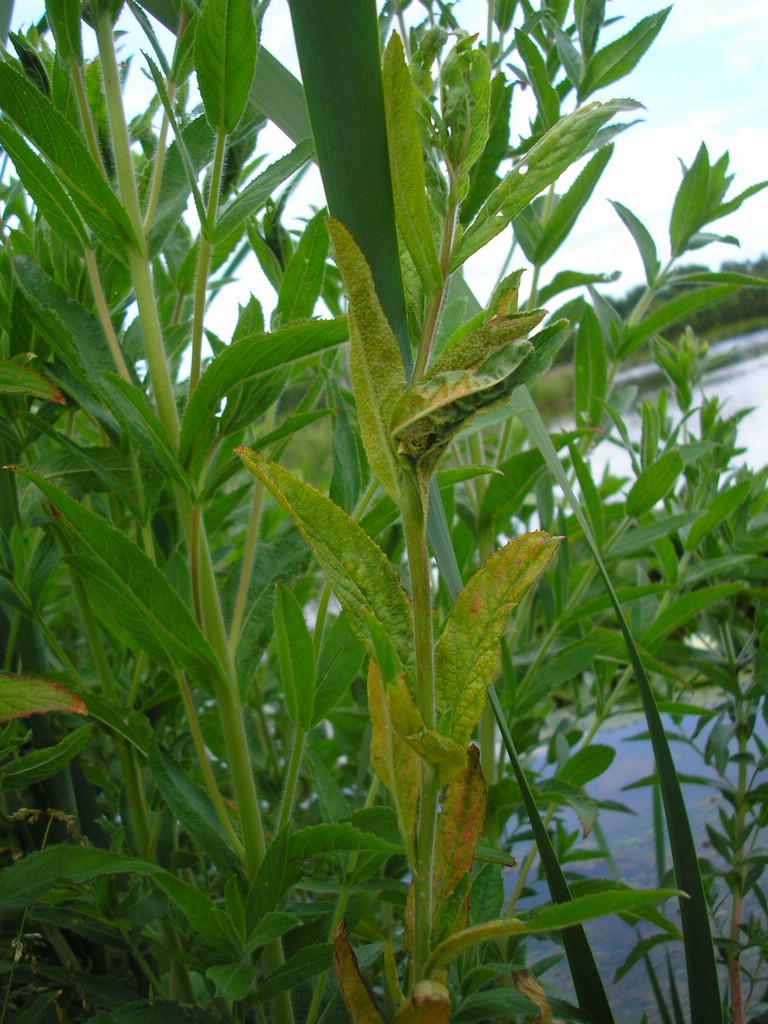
(312, 636)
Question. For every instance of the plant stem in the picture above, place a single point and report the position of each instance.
(204, 259)
(414, 527)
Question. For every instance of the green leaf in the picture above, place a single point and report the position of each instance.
(590, 17)
(672, 311)
(590, 369)
(347, 472)
(720, 508)
(643, 240)
(307, 963)
(247, 359)
(378, 378)
(232, 981)
(52, 134)
(44, 188)
(362, 577)
(654, 483)
(587, 764)
(618, 58)
(689, 212)
(303, 277)
(547, 98)
(255, 194)
(132, 587)
(505, 494)
(225, 59)
(43, 762)
(192, 808)
(568, 207)
(158, 1011)
(267, 887)
(466, 653)
(339, 663)
(64, 22)
(558, 148)
(17, 379)
(406, 160)
(33, 695)
(123, 721)
(552, 917)
(683, 609)
(297, 658)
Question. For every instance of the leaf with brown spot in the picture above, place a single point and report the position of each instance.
(430, 1003)
(33, 695)
(354, 988)
(466, 652)
(395, 763)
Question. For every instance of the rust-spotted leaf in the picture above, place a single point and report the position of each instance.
(430, 414)
(354, 988)
(442, 753)
(33, 695)
(361, 576)
(378, 377)
(466, 652)
(395, 763)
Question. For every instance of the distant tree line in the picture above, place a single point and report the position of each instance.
(743, 310)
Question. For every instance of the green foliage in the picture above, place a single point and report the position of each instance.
(282, 570)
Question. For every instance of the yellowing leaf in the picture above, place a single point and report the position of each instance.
(472, 348)
(430, 1003)
(406, 160)
(378, 377)
(395, 763)
(440, 752)
(362, 577)
(466, 652)
(32, 695)
(459, 829)
(430, 414)
(354, 988)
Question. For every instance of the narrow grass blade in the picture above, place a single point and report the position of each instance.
(338, 48)
(703, 987)
(587, 982)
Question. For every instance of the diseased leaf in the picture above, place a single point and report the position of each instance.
(429, 1003)
(225, 59)
(17, 379)
(406, 159)
(468, 350)
(354, 988)
(33, 695)
(378, 377)
(395, 763)
(551, 917)
(460, 826)
(362, 577)
(466, 653)
(431, 413)
(561, 146)
(442, 753)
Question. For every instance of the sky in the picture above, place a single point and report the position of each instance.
(704, 79)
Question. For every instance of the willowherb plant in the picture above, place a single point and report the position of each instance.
(225, 841)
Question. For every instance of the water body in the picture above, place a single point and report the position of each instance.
(740, 383)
